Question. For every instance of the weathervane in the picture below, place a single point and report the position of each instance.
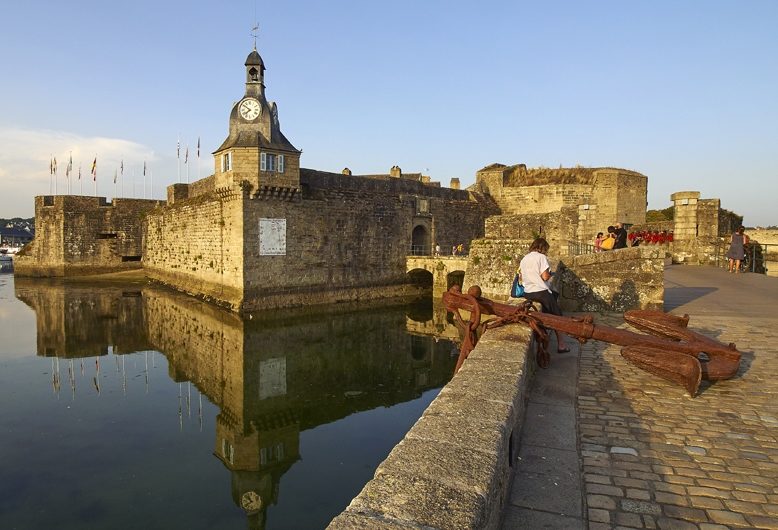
(254, 32)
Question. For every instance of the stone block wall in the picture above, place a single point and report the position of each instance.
(196, 246)
(557, 227)
(708, 217)
(601, 196)
(348, 238)
(453, 468)
(84, 235)
(619, 280)
(685, 214)
(492, 265)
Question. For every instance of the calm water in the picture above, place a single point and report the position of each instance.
(128, 406)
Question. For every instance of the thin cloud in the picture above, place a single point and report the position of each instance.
(26, 155)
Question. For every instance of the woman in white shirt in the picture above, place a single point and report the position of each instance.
(536, 277)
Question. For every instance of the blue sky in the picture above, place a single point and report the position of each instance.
(682, 91)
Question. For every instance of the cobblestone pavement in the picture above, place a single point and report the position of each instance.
(651, 456)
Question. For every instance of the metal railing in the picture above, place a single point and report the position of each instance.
(576, 248)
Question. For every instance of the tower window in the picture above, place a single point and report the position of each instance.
(227, 162)
(271, 162)
(253, 74)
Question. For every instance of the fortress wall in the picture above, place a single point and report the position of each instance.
(196, 246)
(618, 280)
(557, 227)
(85, 235)
(621, 197)
(708, 217)
(349, 237)
(544, 198)
(44, 255)
(202, 186)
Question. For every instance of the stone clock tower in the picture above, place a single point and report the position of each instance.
(256, 155)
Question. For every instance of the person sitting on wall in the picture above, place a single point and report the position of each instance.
(610, 239)
(621, 236)
(536, 278)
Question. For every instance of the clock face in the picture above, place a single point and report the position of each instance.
(249, 109)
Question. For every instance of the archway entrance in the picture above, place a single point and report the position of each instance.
(420, 241)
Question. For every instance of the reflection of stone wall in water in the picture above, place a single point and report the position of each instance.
(272, 379)
(78, 321)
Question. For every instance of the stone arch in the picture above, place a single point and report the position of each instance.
(455, 278)
(421, 278)
(420, 240)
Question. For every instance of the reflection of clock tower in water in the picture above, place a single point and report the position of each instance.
(256, 153)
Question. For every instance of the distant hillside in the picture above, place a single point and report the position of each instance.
(18, 222)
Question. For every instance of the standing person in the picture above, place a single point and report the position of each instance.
(536, 277)
(460, 249)
(598, 242)
(621, 236)
(737, 250)
(437, 250)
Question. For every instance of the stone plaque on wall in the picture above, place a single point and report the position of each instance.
(272, 237)
(272, 378)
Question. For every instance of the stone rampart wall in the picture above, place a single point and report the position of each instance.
(452, 469)
(492, 265)
(196, 246)
(600, 196)
(618, 280)
(557, 227)
(349, 237)
(543, 199)
(84, 235)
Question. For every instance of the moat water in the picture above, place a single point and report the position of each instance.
(130, 406)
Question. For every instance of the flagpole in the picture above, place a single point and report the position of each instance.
(178, 157)
(133, 184)
(186, 163)
(151, 184)
(80, 182)
(198, 158)
(55, 176)
(51, 173)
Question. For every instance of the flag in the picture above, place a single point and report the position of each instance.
(198, 147)
(121, 167)
(79, 172)
(178, 149)
(94, 170)
(69, 169)
(144, 168)
(55, 165)
(115, 174)
(51, 166)
(186, 155)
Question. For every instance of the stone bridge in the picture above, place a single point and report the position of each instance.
(445, 270)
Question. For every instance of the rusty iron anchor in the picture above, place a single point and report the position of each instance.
(669, 349)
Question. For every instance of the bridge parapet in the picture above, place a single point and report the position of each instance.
(440, 267)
